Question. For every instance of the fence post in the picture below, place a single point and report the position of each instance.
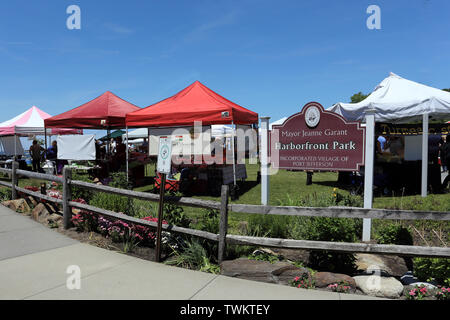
(223, 225)
(14, 180)
(67, 195)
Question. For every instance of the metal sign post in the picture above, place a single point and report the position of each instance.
(163, 167)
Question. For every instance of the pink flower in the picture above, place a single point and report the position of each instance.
(423, 290)
(412, 292)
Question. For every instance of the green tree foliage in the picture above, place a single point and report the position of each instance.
(358, 97)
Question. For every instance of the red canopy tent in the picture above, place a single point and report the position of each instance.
(104, 112)
(194, 103)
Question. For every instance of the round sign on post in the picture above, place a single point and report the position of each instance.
(164, 155)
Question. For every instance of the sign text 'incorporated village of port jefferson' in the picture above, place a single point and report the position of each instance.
(316, 139)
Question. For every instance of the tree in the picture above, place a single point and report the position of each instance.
(358, 97)
(448, 90)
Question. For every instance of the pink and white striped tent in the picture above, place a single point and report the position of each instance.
(31, 122)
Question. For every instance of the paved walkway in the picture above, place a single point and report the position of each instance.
(34, 261)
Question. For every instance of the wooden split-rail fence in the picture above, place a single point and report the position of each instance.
(226, 208)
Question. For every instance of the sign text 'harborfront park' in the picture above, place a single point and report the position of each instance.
(315, 139)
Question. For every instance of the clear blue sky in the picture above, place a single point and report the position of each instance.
(269, 56)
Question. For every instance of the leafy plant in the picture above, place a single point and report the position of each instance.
(175, 215)
(342, 286)
(264, 256)
(5, 194)
(78, 192)
(193, 256)
(328, 229)
(436, 268)
(417, 293)
(304, 281)
(210, 221)
(394, 234)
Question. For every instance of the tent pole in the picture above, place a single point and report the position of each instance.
(233, 152)
(424, 155)
(15, 147)
(45, 139)
(127, 150)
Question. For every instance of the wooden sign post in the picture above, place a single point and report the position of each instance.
(163, 167)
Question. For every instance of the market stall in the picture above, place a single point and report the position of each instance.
(398, 101)
(105, 112)
(188, 116)
(27, 124)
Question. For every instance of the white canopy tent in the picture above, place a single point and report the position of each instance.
(398, 100)
(395, 100)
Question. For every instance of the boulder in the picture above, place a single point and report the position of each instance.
(264, 271)
(323, 279)
(378, 286)
(40, 213)
(19, 205)
(394, 266)
(286, 274)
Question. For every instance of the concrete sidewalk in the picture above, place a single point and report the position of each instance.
(34, 260)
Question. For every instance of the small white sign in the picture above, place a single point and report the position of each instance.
(164, 155)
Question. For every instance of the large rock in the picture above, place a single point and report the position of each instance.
(394, 266)
(19, 205)
(40, 213)
(378, 286)
(286, 274)
(243, 268)
(323, 279)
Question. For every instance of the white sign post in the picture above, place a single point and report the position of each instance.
(163, 166)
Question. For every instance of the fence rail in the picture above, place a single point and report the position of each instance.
(223, 238)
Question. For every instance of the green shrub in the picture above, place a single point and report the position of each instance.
(328, 229)
(394, 233)
(112, 202)
(81, 193)
(209, 221)
(434, 268)
(272, 226)
(175, 215)
(5, 194)
(193, 256)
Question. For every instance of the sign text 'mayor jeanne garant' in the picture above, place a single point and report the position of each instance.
(315, 139)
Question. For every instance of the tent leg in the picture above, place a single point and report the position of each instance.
(368, 171)
(424, 155)
(127, 151)
(15, 147)
(233, 153)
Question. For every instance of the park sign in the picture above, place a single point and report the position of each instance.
(316, 139)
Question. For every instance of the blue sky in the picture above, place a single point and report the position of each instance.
(269, 56)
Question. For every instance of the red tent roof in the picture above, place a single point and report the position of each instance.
(194, 103)
(107, 110)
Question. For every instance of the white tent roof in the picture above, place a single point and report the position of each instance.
(280, 121)
(397, 99)
(31, 122)
(136, 134)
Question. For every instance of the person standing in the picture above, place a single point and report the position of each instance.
(36, 155)
(445, 159)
